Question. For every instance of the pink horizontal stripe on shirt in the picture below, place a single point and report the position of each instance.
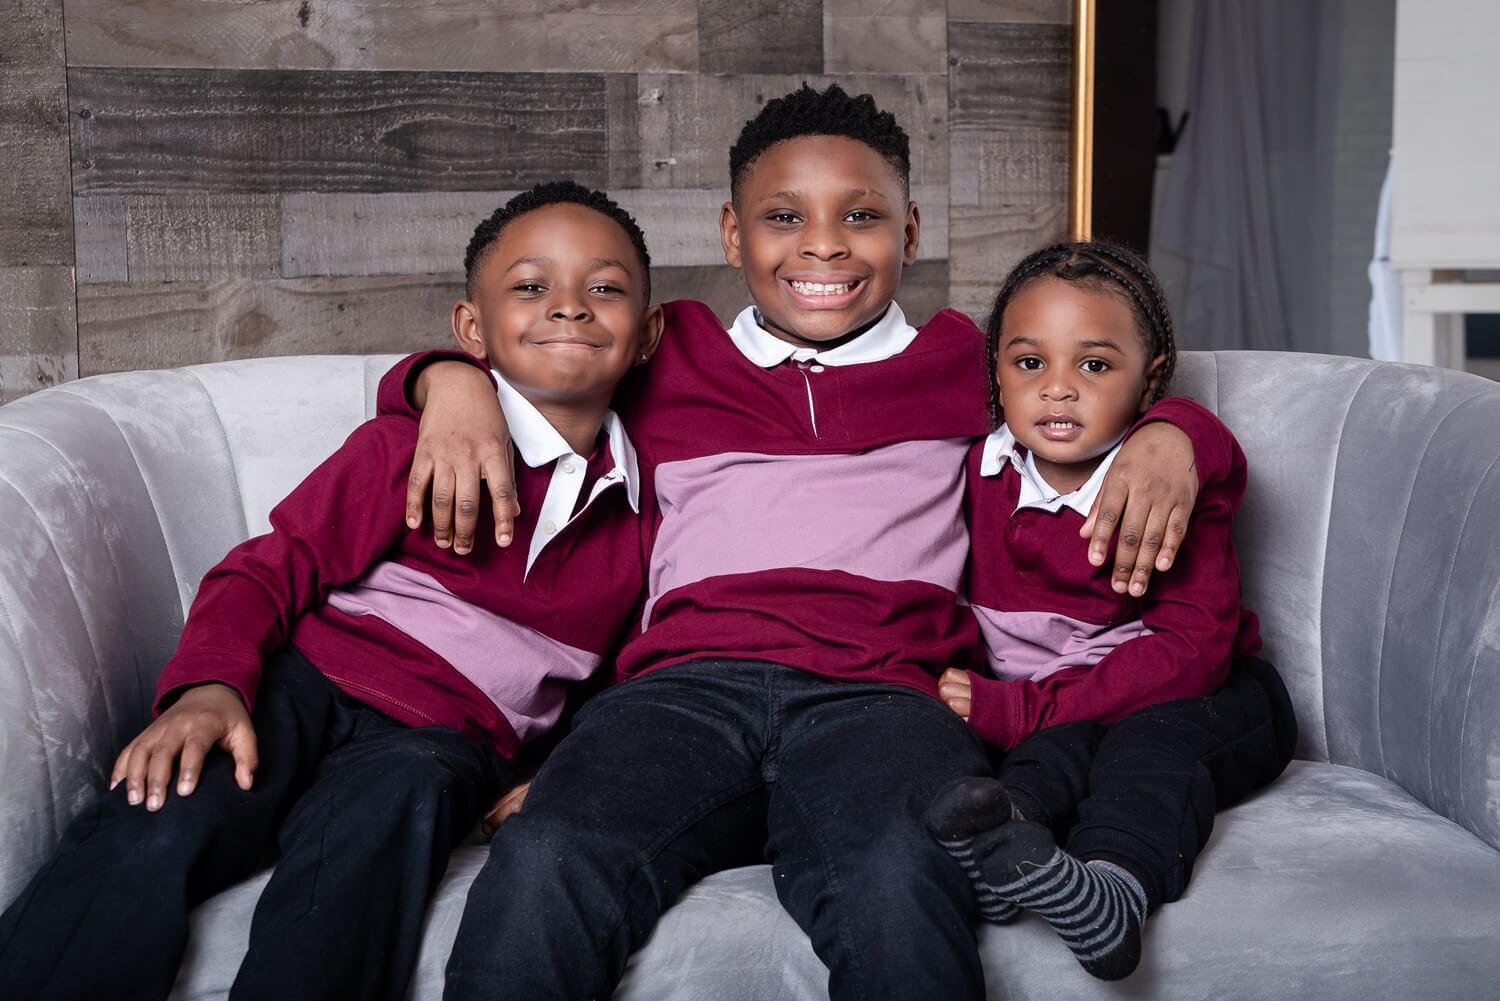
(890, 514)
(1032, 645)
(524, 672)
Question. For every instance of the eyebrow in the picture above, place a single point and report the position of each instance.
(848, 193)
(1101, 344)
(608, 262)
(538, 261)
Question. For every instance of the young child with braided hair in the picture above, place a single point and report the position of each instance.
(1122, 725)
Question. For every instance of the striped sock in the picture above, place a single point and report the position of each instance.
(962, 809)
(1095, 907)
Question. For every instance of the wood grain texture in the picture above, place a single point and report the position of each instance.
(760, 36)
(203, 236)
(427, 233)
(155, 325)
(169, 131)
(446, 35)
(688, 123)
(623, 94)
(38, 329)
(100, 231)
(987, 242)
(1010, 167)
(885, 36)
(1012, 11)
(1009, 76)
(36, 212)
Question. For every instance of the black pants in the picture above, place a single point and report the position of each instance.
(1142, 793)
(713, 764)
(361, 810)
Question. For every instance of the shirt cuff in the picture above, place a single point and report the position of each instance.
(396, 386)
(994, 711)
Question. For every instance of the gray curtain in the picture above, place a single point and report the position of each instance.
(1242, 230)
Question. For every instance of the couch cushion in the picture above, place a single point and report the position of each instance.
(1332, 884)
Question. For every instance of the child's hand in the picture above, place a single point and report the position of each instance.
(956, 691)
(1149, 493)
(505, 806)
(203, 717)
(463, 438)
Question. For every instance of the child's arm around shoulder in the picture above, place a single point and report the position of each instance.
(1177, 447)
(463, 441)
(1193, 614)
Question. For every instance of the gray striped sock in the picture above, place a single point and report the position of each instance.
(1095, 908)
(991, 907)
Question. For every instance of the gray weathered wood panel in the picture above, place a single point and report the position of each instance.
(203, 236)
(445, 35)
(36, 213)
(624, 96)
(1009, 76)
(38, 329)
(986, 243)
(99, 230)
(885, 36)
(688, 123)
(760, 36)
(1014, 11)
(140, 325)
(168, 131)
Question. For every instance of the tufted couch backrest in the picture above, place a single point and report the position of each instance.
(1368, 542)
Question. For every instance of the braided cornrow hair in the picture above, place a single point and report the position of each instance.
(1101, 266)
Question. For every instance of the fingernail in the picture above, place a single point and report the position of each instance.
(1119, 587)
(153, 802)
(133, 798)
(1137, 589)
(504, 540)
(1163, 564)
(184, 787)
(412, 523)
(442, 543)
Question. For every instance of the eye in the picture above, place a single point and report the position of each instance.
(1029, 363)
(606, 288)
(860, 216)
(783, 218)
(1096, 366)
(529, 287)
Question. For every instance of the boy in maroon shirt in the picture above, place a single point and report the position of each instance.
(1080, 344)
(804, 493)
(370, 688)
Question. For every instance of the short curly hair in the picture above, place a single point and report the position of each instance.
(1102, 267)
(551, 193)
(828, 112)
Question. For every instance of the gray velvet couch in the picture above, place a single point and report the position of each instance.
(1371, 548)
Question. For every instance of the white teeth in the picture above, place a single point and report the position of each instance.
(819, 288)
(1060, 425)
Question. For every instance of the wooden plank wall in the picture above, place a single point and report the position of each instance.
(194, 180)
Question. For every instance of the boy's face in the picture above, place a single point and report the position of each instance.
(559, 306)
(821, 228)
(1073, 375)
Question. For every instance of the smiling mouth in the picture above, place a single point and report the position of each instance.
(823, 288)
(1056, 425)
(563, 342)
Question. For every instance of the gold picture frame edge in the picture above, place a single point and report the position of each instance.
(1081, 146)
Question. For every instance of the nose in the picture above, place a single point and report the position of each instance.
(1058, 386)
(568, 305)
(824, 240)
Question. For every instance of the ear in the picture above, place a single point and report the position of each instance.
(651, 328)
(729, 236)
(466, 328)
(913, 232)
(1153, 379)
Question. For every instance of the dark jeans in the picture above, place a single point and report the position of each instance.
(362, 811)
(704, 766)
(1142, 793)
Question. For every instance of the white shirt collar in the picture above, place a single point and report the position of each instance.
(890, 336)
(540, 443)
(1000, 450)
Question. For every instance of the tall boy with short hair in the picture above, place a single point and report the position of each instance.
(370, 688)
(804, 481)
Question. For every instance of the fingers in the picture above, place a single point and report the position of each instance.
(241, 744)
(443, 486)
(956, 691)
(509, 805)
(1103, 519)
(416, 487)
(122, 760)
(1151, 546)
(465, 507)
(1177, 525)
(193, 753)
(499, 477)
(159, 770)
